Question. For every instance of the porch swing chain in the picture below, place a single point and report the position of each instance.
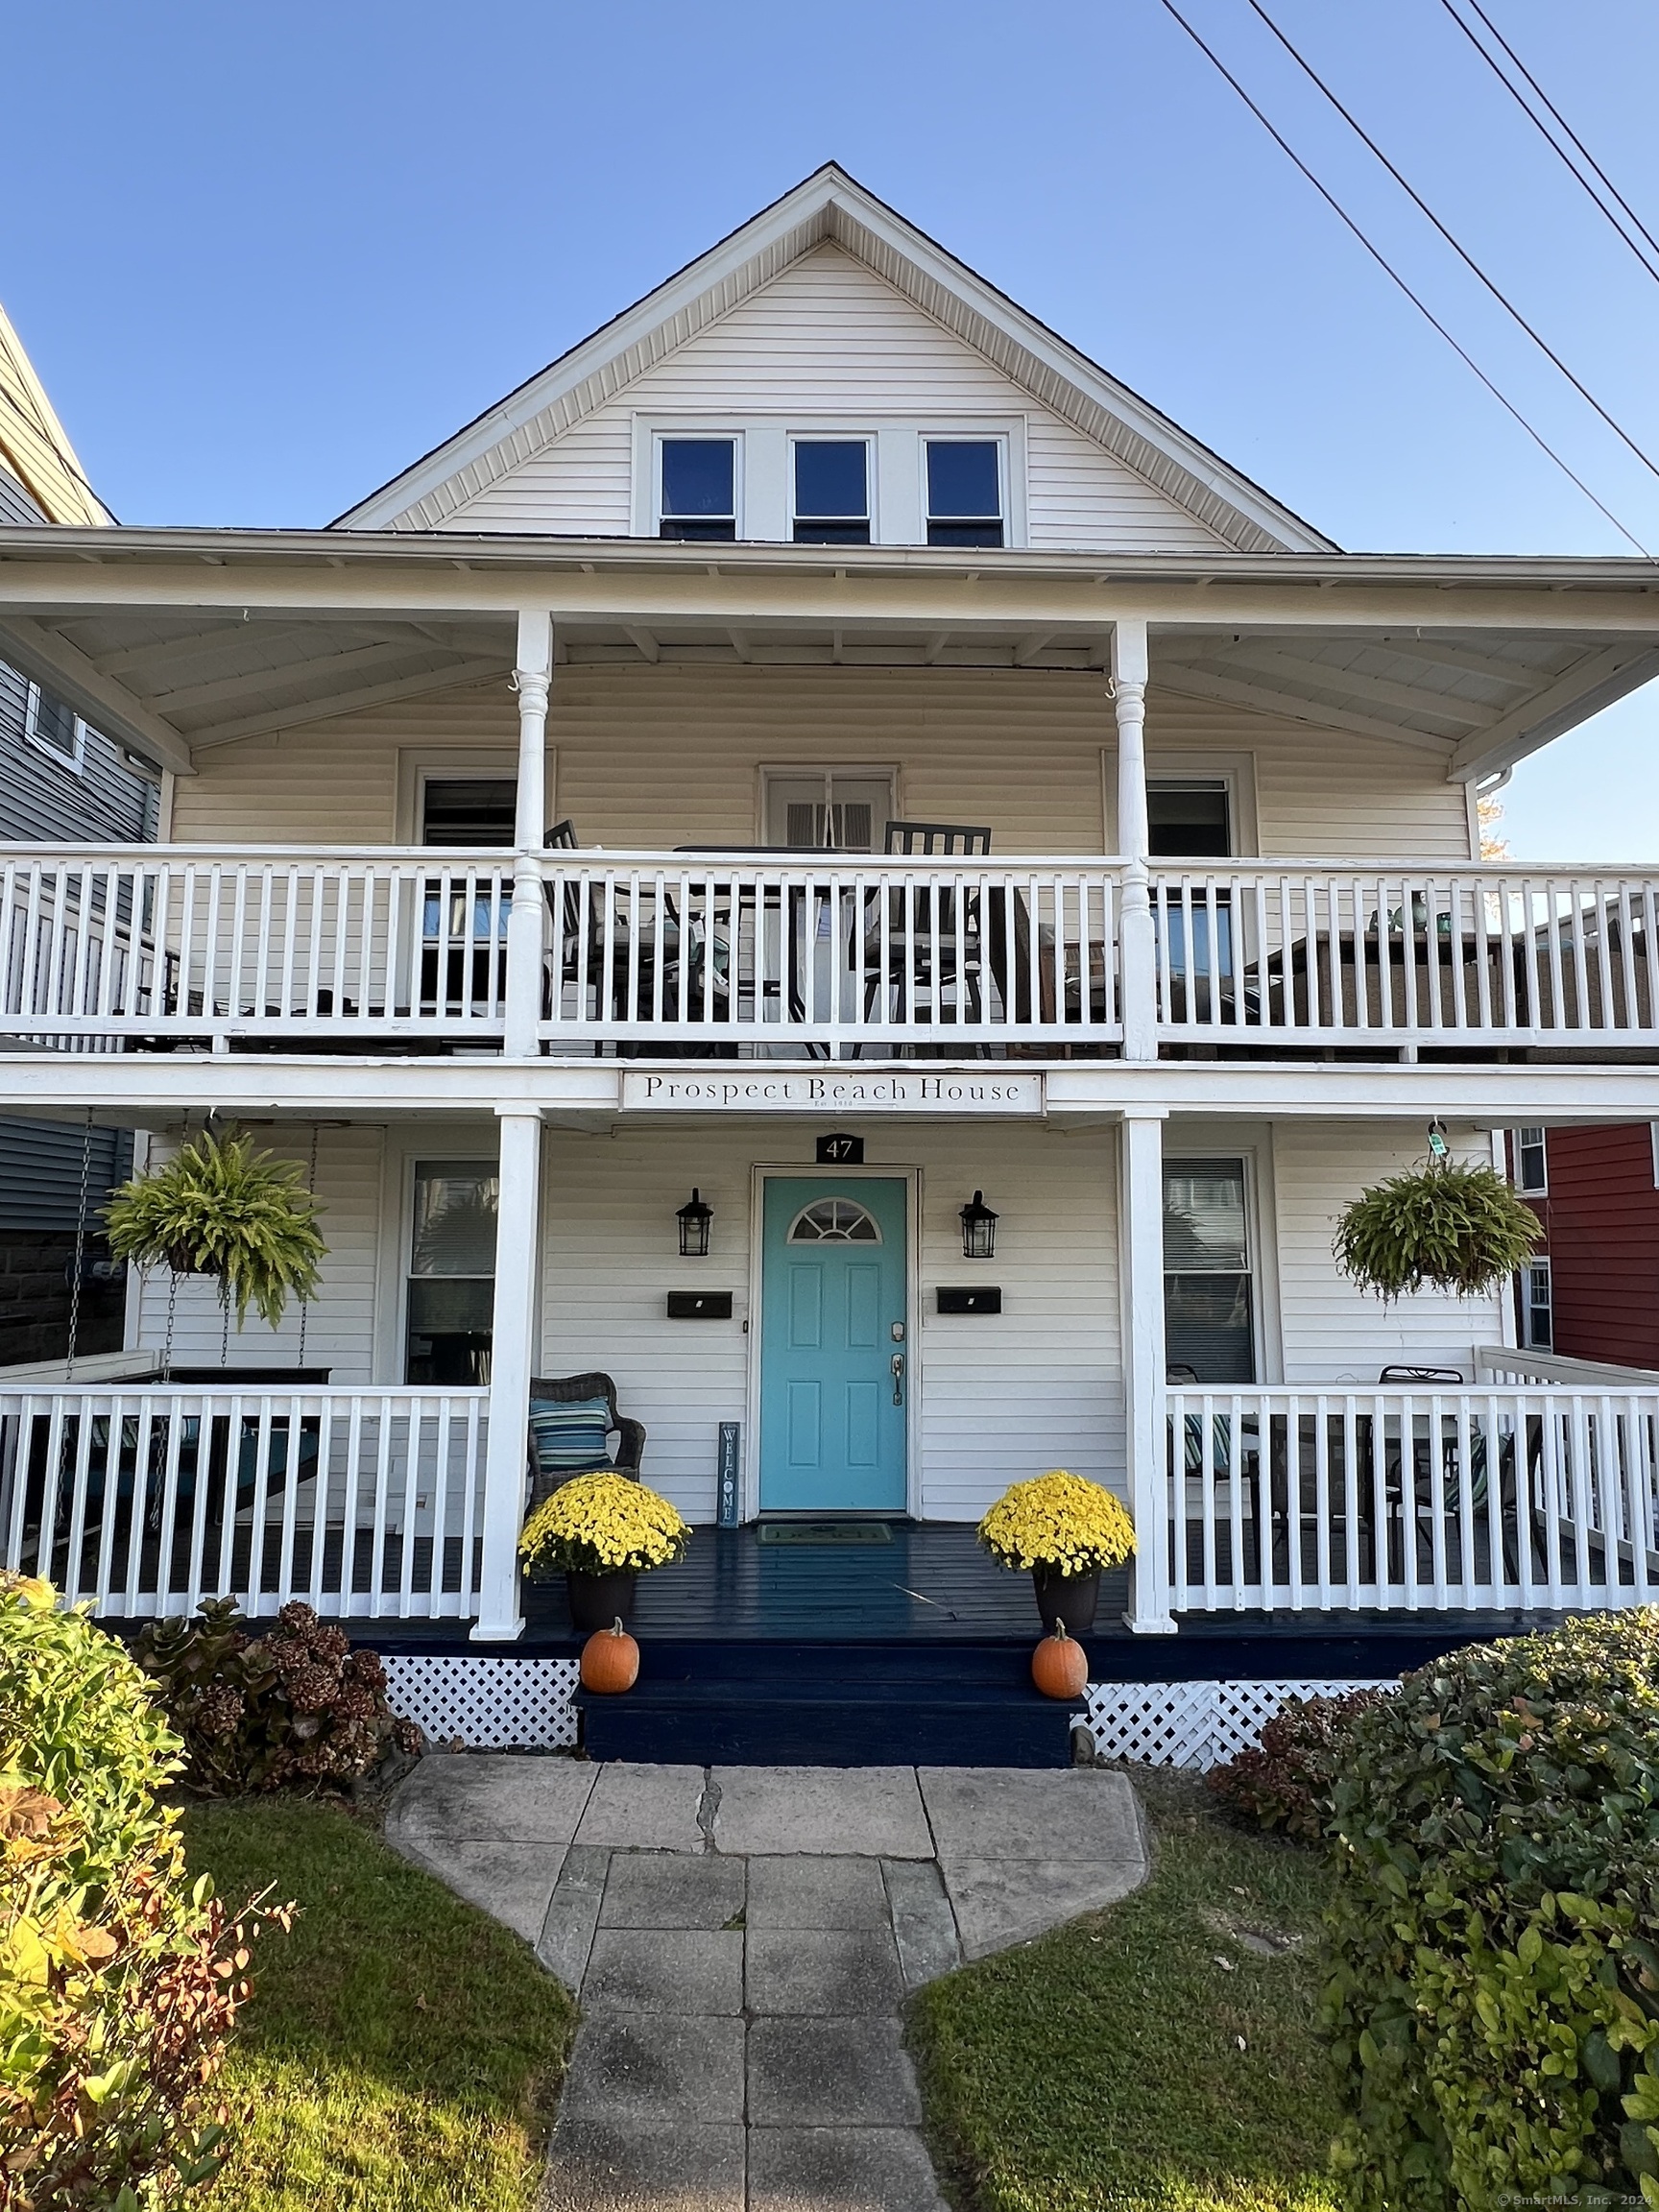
(311, 1185)
(79, 1250)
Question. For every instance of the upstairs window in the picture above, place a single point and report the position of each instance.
(832, 492)
(467, 812)
(56, 728)
(826, 811)
(965, 491)
(698, 490)
(1531, 1162)
(1191, 819)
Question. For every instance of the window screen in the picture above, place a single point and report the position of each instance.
(699, 489)
(1539, 1319)
(831, 813)
(1189, 819)
(466, 810)
(451, 1286)
(1208, 1306)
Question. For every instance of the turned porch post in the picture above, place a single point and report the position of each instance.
(512, 1362)
(1135, 936)
(527, 930)
(1140, 1243)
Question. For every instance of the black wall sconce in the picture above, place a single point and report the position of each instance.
(978, 1229)
(695, 1218)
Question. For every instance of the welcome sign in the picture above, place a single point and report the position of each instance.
(828, 1090)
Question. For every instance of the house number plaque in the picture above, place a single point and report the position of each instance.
(840, 1151)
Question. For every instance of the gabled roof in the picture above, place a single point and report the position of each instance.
(34, 450)
(831, 207)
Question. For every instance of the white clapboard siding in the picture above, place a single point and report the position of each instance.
(656, 756)
(830, 338)
(339, 1334)
(1001, 1398)
(1333, 1332)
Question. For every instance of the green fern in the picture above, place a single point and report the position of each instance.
(1447, 1226)
(220, 1207)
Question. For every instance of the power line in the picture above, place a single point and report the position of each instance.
(1461, 252)
(1647, 260)
(1429, 316)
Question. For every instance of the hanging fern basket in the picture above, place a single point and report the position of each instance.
(220, 1206)
(1446, 1226)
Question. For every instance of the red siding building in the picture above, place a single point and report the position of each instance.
(1594, 1291)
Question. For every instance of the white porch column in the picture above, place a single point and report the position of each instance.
(1141, 1245)
(526, 928)
(1135, 936)
(512, 1362)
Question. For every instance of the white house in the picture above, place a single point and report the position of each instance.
(825, 745)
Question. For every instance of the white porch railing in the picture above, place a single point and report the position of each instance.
(1481, 1499)
(146, 1499)
(187, 942)
(1330, 953)
(781, 951)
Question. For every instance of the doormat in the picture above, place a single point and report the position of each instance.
(823, 1532)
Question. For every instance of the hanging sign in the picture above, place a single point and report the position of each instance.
(840, 1151)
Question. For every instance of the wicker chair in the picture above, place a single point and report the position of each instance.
(570, 1390)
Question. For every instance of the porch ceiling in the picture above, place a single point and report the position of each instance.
(176, 641)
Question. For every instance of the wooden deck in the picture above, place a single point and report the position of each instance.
(932, 1585)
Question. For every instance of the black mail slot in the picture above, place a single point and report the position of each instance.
(699, 1305)
(970, 1298)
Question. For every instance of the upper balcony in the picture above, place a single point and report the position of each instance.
(764, 955)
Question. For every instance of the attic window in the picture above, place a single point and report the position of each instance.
(698, 490)
(965, 491)
(832, 492)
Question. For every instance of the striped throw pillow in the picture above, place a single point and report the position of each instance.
(570, 1439)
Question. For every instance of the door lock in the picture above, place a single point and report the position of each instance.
(898, 1367)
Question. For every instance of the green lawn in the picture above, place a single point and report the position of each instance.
(1101, 2066)
(402, 2052)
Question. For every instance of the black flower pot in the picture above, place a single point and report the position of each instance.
(599, 1601)
(1066, 1598)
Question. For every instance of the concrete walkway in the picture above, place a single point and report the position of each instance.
(741, 1940)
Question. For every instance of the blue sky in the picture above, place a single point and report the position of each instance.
(276, 252)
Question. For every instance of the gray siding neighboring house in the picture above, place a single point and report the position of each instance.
(84, 791)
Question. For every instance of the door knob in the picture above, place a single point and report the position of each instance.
(898, 1367)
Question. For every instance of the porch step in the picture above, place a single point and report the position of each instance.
(759, 1704)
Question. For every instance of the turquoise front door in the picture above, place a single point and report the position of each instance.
(833, 1292)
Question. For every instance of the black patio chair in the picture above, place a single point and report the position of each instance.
(571, 1390)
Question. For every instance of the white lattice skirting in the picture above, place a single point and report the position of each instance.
(492, 1704)
(1199, 1725)
(487, 1705)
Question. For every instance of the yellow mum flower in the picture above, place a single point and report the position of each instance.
(603, 1524)
(1059, 1519)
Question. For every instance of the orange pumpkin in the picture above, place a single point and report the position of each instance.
(609, 1661)
(1059, 1665)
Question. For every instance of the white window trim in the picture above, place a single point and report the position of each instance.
(1532, 1190)
(1540, 1261)
(867, 438)
(764, 486)
(1237, 770)
(1255, 1148)
(417, 767)
(781, 771)
(660, 432)
(971, 434)
(395, 1246)
(72, 763)
(1653, 1133)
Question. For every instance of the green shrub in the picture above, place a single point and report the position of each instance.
(1452, 1225)
(119, 1980)
(298, 1709)
(1492, 1998)
(1284, 1781)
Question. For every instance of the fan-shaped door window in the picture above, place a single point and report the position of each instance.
(834, 1222)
